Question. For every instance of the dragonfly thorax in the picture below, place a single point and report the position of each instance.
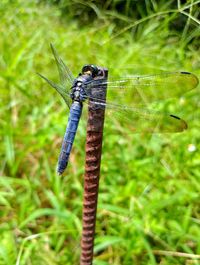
(78, 90)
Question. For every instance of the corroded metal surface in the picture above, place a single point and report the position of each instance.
(92, 173)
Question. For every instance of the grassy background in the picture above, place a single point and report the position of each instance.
(149, 187)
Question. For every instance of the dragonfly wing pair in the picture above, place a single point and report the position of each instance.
(134, 93)
(125, 97)
(150, 88)
(66, 78)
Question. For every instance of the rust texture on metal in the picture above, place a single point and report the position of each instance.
(92, 173)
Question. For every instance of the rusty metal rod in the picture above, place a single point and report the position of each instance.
(91, 178)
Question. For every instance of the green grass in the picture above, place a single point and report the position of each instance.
(149, 187)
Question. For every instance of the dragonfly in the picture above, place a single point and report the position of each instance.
(131, 90)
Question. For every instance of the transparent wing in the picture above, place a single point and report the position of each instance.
(146, 89)
(136, 120)
(60, 89)
(123, 113)
(66, 78)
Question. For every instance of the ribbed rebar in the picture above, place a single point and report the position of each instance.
(92, 173)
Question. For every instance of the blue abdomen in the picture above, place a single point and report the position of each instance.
(74, 117)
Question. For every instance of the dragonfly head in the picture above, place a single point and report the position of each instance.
(90, 69)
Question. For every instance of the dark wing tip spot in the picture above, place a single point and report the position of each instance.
(195, 78)
(184, 125)
(173, 116)
(186, 73)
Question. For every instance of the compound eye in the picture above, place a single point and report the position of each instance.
(91, 69)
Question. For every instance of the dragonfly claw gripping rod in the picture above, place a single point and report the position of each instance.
(92, 172)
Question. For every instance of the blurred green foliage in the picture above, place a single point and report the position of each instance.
(149, 188)
(172, 14)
